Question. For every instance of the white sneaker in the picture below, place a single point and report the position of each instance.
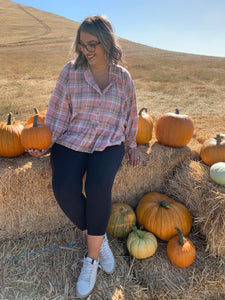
(106, 258)
(87, 278)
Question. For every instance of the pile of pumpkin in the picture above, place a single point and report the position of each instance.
(158, 216)
(176, 130)
(16, 137)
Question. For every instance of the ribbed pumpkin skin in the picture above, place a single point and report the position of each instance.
(10, 144)
(160, 220)
(121, 220)
(142, 247)
(181, 255)
(217, 173)
(145, 127)
(213, 150)
(36, 137)
(174, 130)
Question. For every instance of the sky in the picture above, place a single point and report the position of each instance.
(189, 26)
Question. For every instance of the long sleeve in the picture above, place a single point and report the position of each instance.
(59, 110)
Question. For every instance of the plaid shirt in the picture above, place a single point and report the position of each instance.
(84, 118)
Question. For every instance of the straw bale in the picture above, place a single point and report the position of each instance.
(191, 183)
(49, 265)
(27, 203)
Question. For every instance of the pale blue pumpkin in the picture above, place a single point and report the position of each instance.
(217, 172)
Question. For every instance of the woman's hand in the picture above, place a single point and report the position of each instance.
(37, 152)
(134, 157)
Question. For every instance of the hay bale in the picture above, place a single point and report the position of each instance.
(191, 183)
(27, 203)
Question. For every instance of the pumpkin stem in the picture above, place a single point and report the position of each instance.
(138, 232)
(123, 210)
(218, 138)
(143, 109)
(35, 121)
(177, 111)
(36, 110)
(164, 204)
(181, 237)
(9, 121)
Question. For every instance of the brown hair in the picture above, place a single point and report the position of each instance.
(100, 27)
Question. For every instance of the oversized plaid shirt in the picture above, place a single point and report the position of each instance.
(84, 118)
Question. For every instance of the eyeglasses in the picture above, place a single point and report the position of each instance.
(89, 47)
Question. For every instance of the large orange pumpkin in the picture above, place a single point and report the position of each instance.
(180, 250)
(160, 215)
(41, 117)
(121, 220)
(213, 150)
(145, 127)
(10, 144)
(174, 130)
(37, 136)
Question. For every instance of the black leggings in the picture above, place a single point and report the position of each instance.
(68, 168)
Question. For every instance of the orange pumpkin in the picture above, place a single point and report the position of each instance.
(213, 150)
(37, 136)
(174, 130)
(180, 250)
(160, 215)
(10, 144)
(41, 117)
(121, 220)
(145, 127)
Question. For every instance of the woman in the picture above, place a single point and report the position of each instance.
(92, 116)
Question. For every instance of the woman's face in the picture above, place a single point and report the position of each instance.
(97, 55)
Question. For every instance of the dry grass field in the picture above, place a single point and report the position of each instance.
(34, 46)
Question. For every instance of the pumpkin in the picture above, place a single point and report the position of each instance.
(173, 129)
(217, 173)
(41, 117)
(10, 144)
(121, 220)
(145, 127)
(180, 250)
(160, 215)
(37, 136)
(141, 244)
(213, 150)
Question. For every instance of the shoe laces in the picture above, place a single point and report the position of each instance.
(105, 250)
(87, 270)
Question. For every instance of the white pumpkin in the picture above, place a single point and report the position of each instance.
(217, 172)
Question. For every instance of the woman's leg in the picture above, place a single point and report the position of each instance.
(101, 171)
(68, 168)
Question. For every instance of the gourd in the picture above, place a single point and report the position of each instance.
(217, 172)
(121, 220)
(10, 144)
(41, 117)
(141, 244)
(145, 127)
(213, 150)
(160, 215)
(173, 129)
(181, 250)
(37, 136)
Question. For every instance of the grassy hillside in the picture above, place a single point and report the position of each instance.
(34, 46)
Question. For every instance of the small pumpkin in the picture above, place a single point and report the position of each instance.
(141, 244)
(213, 150)
(145, 127)
(181, 250)
(37, 136)
(41, 117)
(121, 220)
(10, 143)
(160, 215)
(174, 129)
(217, 172)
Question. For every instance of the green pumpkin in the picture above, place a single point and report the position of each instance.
(217, 173)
